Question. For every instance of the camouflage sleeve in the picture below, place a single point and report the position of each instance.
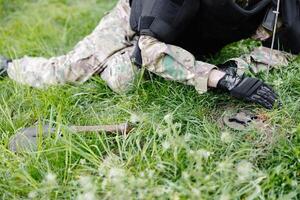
(261, 58)
(174, 63)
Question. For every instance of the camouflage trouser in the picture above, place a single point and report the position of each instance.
(106, 51)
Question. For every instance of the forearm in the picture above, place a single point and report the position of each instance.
(175, 63)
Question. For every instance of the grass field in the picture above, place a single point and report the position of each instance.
(177, 151)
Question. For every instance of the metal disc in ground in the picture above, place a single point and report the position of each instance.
(27, 139)
(239, 120)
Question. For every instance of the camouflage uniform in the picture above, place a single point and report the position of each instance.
(106, 51)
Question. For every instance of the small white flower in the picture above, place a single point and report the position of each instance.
(142, 174)
(116, 173)
(86, 183)
(191, 152)
(244, 170)
(294, 183)
(187, 137)
(50, 179)
(168, 118)
(134, 118)
(225, 196)
(160, 166)
(225, 165)
(87, 196)
(204, 154)
(88, 188)
(278, 82)
(196, 192)
(82, 161)
(226, 137)
(150, 173)
(166, 145)
(185, 175)
(32, 195)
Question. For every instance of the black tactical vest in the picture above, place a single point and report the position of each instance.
(220, 22)
(205, 26)
(199, 26)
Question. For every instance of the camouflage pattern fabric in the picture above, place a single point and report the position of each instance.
(174, 63)
(107, 43)
(261, 58)
(106, 51)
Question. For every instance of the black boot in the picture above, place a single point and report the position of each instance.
(3, 66)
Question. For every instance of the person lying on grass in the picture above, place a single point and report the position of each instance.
(170, 38)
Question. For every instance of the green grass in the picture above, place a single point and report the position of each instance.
(176, 152)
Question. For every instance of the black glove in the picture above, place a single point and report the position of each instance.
(250, 89)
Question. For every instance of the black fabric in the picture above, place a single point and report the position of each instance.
(288, 37)
(205, 26)
(254, 90)
(220, 22)
(136, 57)
(199, 26)
(135, 13)
(163, 19)
(247, 88)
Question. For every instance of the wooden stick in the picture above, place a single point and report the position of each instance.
(118, 128)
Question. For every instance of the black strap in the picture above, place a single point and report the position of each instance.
(246, 87)
(269, 20)
(136, 57)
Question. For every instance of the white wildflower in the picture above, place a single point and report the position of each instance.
(168, 118)
(166, 145)
(225, 196)
(102, 171)
(244, 170)
(226, 137)
(278, 82)
(115, 173)
(278, 169)
(112, 160)
(69, 170)
(134, 118)
(88, 188)
(150, 173)
(185, 175)
(90, 195)
(187, 137)
(160, 166)
(86, 183)
(196, 192)
(204, 153)
(82, 161)
(177, 126)
(158, 191)
(294, 183)
(142, 174)
(50, 179)
(224, 166)
(32, 195)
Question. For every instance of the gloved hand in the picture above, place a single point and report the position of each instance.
(249, 89)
